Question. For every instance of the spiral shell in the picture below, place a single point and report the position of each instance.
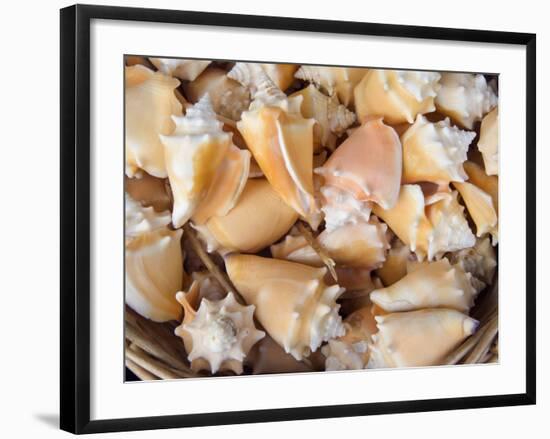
(145, 89)
(292, 301)
(396, 95)
(465, 98)
(186, 69)
(250, 75)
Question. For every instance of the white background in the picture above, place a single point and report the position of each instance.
(29, 221)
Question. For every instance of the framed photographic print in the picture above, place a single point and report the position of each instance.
(313, 219)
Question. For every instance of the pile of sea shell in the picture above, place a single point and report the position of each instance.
(284, 218)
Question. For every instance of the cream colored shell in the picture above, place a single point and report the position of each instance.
(340, 208)
(250, 75)
(394, 267)
(488, 142)
(434, 152)
(418, 338)
(149, 103)
(219, 335)
(431, 285)
(465, 97)
(396, 95)
(293, 303)
(187, 69)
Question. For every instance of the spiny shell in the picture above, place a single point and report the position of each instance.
(465, 97)
(341, 207)
(219, 335)
(479, 260)
(149, 243)
(187, 69)
(229, 98)
(268, 357)
(281, 141)
(418, 338)
(488, 142)
(293, 303)
(338, 81)
(250, 75)
(396, 95)
(434, 152)
(351, 352)
(332, 118)
(368, 164)
(149, 191)
(395, 266)
(194, 153)
(430, 285)
(149, 104)
(258, 219)
(480, 206)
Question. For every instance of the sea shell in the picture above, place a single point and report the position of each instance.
(487, 183)
(194, 153)
(480, 207)
(219, 335)
(465, 97)
(396, 95)
(149, 243)
(295, 248)
(149, 104)
(341, 207)
(293, 303)
(281, 141)
(251, 75)
(351, 352)
(394, 267)
(268, 357)
(332, 118)
(368, 164)
(434, 152)
(339, 81)
(418, 338)
(258, 219)
(186, 69)
(479, 260)
(429, 229)
(488, 142)
(149, 191)
(229, 98)
(430, 285)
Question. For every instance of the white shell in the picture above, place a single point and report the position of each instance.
(187, 69)
(434, 152)
(488, 142)
(465, 97)
(430, 285)
(140, 219)
(341, 208)
(250, 75)
(150, 102)
(221, 333)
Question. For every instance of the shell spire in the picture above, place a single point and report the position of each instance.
(293, 303)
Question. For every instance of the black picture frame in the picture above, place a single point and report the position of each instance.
(75, 216)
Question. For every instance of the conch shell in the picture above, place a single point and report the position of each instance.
(149, 191)
(268, 357)
(293, 303)
(480, 206)
(396, 95)
(186, 69)
(229, 98)
(281, 141)
(258, 219)
(149, 243)
(149, 104)
(434, 152)
(479, 260)
(428, 229)
(341, 207)
(488, 142)
(351, 352)
(465, 97)
(367, 165)
(332, 118)
(394, 267)
(487, 183)
(194, 152)
(418, 338)
(339, 81)
(219, 335)
(248, 74)
(429, 285)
